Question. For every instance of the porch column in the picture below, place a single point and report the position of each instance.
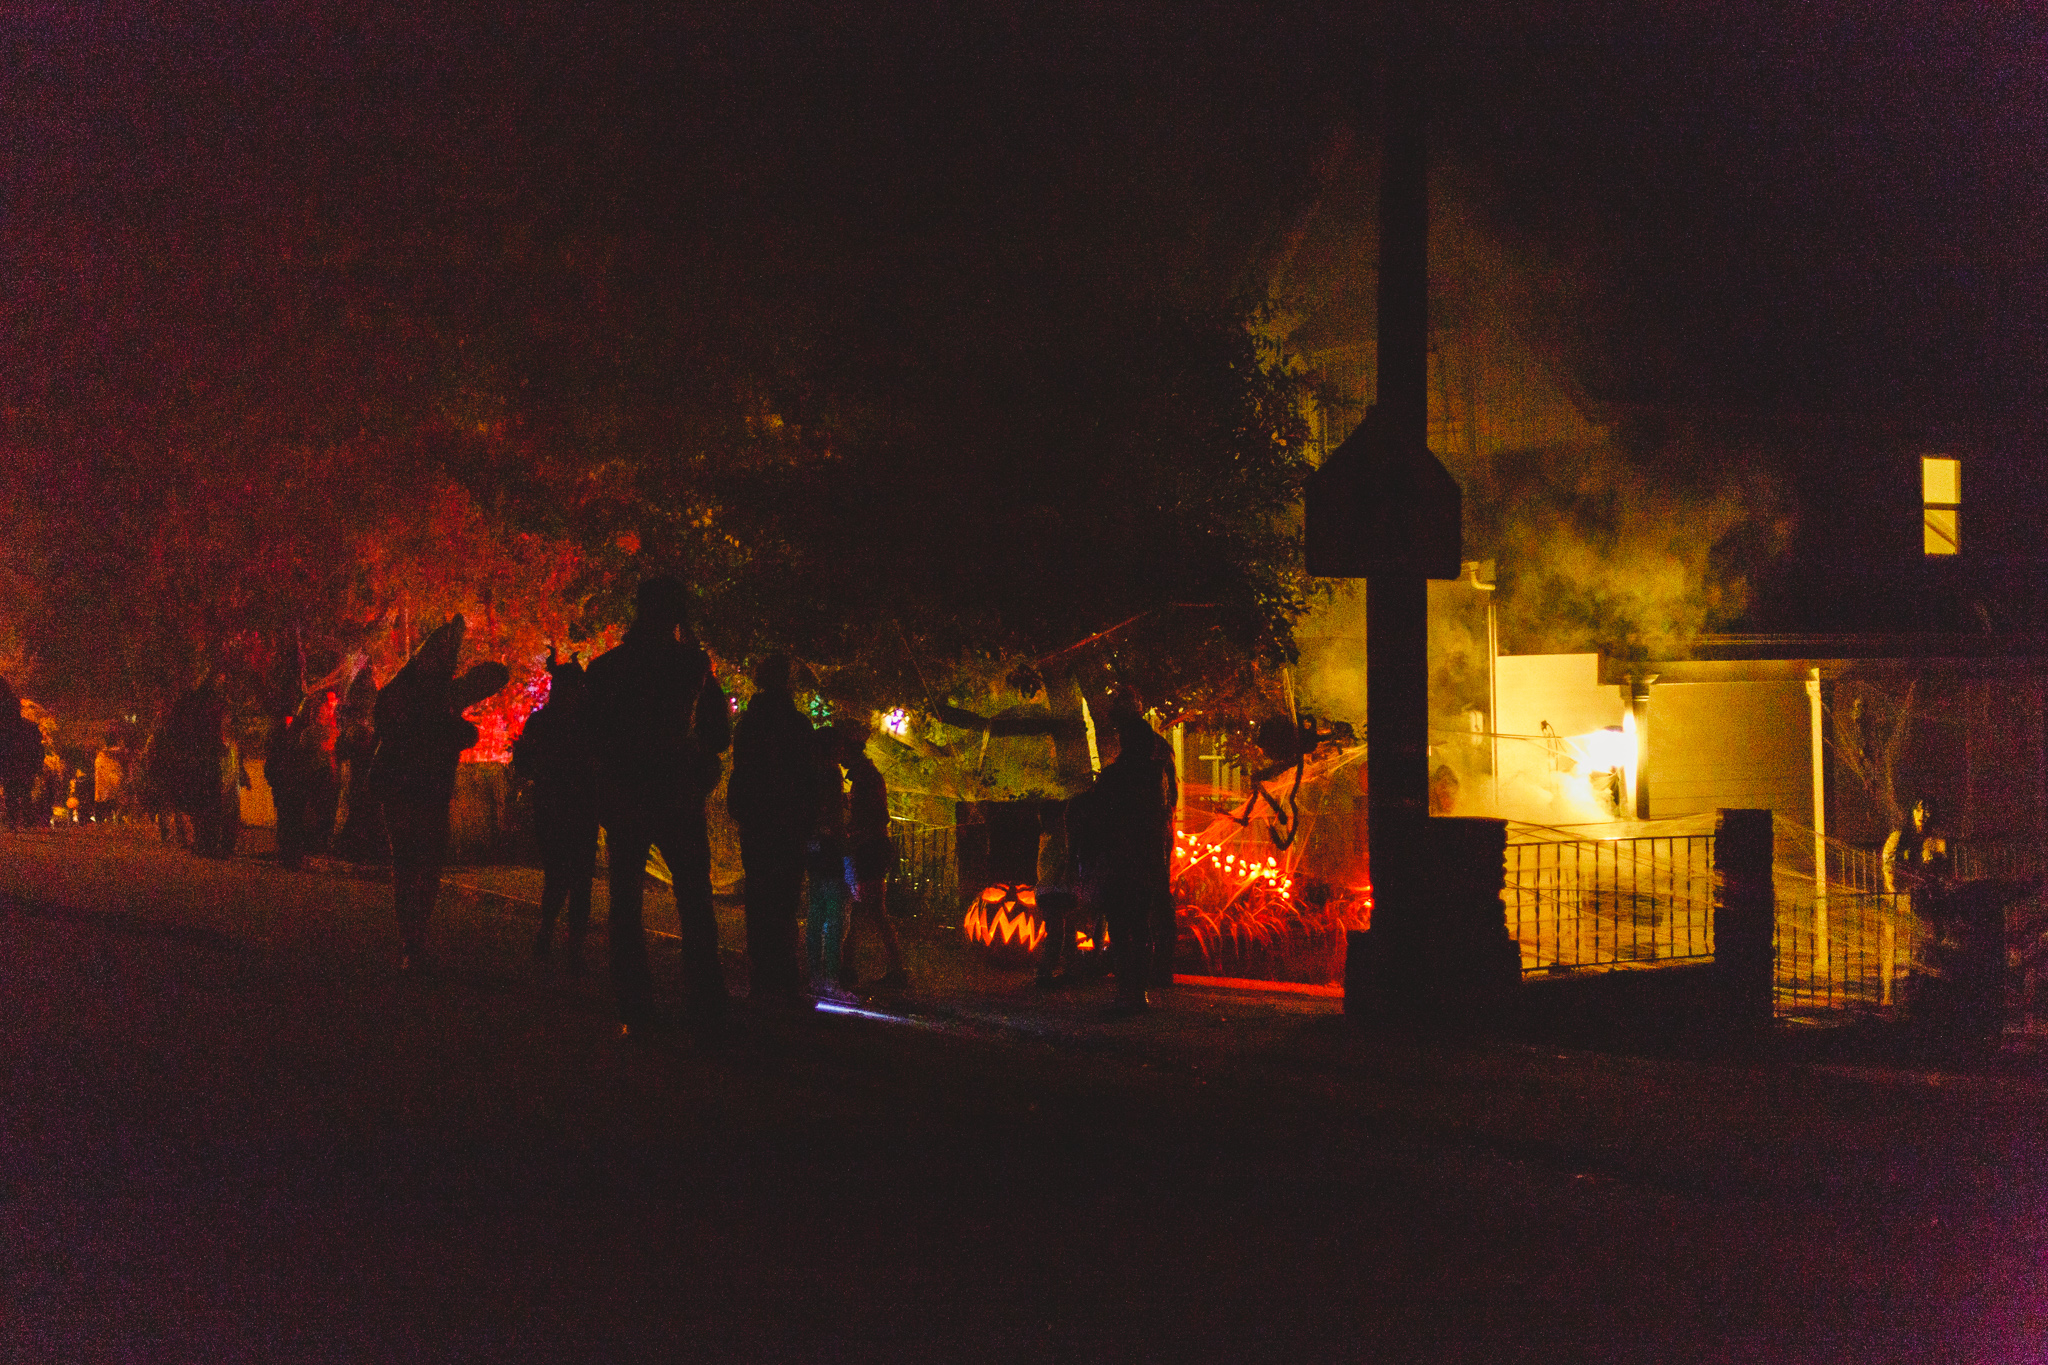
(1639, 712)
(1820, 824)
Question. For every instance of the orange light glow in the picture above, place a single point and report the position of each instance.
(1005, 920)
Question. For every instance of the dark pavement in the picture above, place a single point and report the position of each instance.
(229, 1132)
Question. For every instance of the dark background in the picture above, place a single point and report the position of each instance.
(228, 229)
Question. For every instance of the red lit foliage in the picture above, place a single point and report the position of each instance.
(1240, 915)
(515, 588)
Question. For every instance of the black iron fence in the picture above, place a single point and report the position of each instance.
(1846, 950)
(1574, 903)
(926, 882)
(1846, 942)
(1580, 899)
(1841, 942)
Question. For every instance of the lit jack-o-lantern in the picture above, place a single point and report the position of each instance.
(1004, 920)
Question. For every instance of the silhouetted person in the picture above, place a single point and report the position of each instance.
(870, 858)
(145, 781)
(1061, 902)
(318, 739)
(21, 760)
(56, 781)
(825, 865)
(361, 836)
(190, 757)
(660, 723)
(772, 797)
(1159, 870)
(224, 829)
(110, 764)
(421, 734)
(304, 784)
(554, 753)
(1919, 869)
(1443, 790)
(1126, 843)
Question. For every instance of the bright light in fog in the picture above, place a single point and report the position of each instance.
(1613, 747)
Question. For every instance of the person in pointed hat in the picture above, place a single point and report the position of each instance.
(361, 836)
(421, 735)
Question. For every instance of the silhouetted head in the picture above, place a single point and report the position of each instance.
(850, 737)
(773, 673)
(1924, 812)
(362, 691)
(563, 674)
(434, 661)
(319, 706)
(662, 603)
(1133, 735)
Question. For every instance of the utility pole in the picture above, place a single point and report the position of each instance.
(1384, 509)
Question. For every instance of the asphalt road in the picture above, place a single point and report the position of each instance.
(229, 1132)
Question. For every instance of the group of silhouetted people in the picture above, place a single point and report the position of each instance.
(633, 745)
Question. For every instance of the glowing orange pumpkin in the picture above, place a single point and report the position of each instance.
(1004, 920)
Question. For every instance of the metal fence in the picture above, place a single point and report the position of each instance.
(1575, 903)
(1845, 943)
(927, 877)
(1841, 944)
(1847, 951)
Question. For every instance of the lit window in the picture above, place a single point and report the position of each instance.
(1941, 497)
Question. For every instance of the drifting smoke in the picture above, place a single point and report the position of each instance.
(1603, 549)
(1617, 530)
(1622, 531)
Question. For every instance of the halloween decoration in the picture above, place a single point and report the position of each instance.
(1240, 915)
(1004, 920)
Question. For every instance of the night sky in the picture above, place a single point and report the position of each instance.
(1814, 208)
(1825, 207)
(229, 231)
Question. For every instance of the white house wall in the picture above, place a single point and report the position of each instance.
(1546, 782)
(1563, 689)
(1742, 745)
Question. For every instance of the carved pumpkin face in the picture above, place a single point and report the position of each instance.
(1004, 920)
